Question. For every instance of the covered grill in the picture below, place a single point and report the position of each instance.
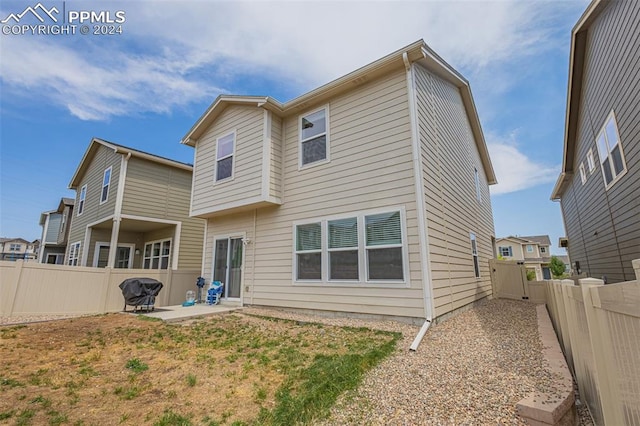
(140, 293)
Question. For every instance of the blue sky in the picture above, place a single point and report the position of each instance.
(146, 87)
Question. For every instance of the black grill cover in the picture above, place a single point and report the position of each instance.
(140, 291)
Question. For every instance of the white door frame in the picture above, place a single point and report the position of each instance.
(99, 244)
(232, 235)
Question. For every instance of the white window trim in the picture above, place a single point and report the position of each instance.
(362, 252)
(323, 249)
(233, 161)
(508, 248)
(529, 246)
(300, 140)
(611, 116)
(82, 200)
(169, 260)
(108, 184)
(99, 244)
(74, 254)
(591, 162)
(233, 235)
(583, 174)
(474, 254)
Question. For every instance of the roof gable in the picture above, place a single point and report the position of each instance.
(97, 143)
(416, 52)
(574, 92)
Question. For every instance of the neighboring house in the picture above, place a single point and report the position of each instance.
(567, 263)
(368, 194)
(55, 232)
(136, 203)
(18, 248)
(599, 186)
(533, 251)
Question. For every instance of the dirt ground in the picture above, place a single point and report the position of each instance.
(125, 369)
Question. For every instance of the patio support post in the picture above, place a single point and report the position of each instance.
(113, 245)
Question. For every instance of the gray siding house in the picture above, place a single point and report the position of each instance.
(368, 195)
(136, 203)
(599, 186)
(55, 232)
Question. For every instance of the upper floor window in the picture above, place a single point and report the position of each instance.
(583, 174)
(591, 163)
(505, 251)
(610, 151)
(83, 195)
(225, 150)
(543, 249)
(106, 182)
(474, 254)
(529, 248)
(477, 180)
(15, 247)
(314, 137)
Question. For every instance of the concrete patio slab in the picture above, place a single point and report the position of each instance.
(180, 313)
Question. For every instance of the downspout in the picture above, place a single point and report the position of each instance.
(253, 260)
(420, 204)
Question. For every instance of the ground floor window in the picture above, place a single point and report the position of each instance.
(474, 254)
(157, 254)
(74, 254)
(363, 247)
(55, 259)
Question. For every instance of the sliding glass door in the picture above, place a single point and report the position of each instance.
(227, 265)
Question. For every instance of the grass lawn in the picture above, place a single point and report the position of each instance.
(230, 369)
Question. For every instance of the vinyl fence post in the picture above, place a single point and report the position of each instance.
(19, 265)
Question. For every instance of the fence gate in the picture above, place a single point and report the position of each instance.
(508, 279)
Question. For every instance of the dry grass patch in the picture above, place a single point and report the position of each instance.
(230, 369)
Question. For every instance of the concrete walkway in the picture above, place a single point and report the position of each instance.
(181, 313)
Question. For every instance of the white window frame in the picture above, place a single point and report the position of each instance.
(509, 249)
(103, 198)
(160, 256)
(363, 273)
(224, 157)
(543, 250)
(99, 244)
(591, 162)
(82, 199)
(477, 182)
(583, 174)
(296, 252)
(615, 177)
(74, 254)
(474, 254)
(327, 158)
(529, 248)
(15, 247)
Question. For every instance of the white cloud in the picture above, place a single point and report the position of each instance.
(514, 170)
(193, 49)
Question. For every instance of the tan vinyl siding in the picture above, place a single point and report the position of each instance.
(158, 191)
(370, 168)
(275, 181)
(603, 226)
(93, 211)
(449, 156)
(248, 123)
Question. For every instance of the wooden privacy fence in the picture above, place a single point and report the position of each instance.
(42, 289)
(509, 280)
(598, 327)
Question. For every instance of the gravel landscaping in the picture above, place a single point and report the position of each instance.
(470, 369)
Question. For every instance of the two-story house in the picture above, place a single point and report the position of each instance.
(599, 185)
(132, 211)
(55, 232)
(532, 251)
(366, 195)
(18, 248)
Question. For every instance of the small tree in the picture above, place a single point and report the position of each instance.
(557, 267)
(531, 275)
